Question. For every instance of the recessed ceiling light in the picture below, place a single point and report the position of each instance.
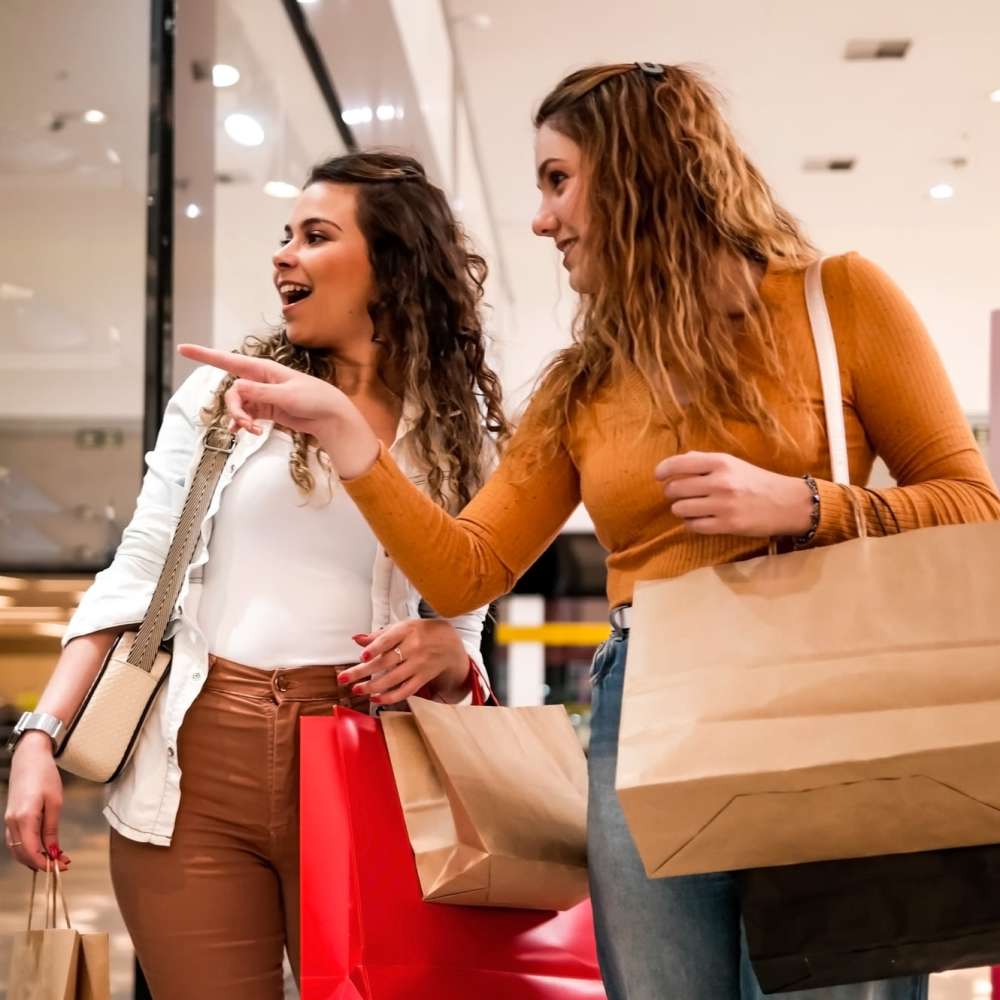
(94, 117)
(942, 191)
(112, 155)
(244, 129)
(995, 96)
(356, 116)
(281, 189)
(224, 75)
(385, 112)
(192, 211)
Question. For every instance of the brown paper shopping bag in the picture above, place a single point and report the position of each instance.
(834, 703)
(57, 963)
(44, 962)
(93, 981)
(495, 802)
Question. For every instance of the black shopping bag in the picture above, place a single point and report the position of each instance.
(828, 923)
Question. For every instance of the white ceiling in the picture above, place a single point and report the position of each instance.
(790, 95)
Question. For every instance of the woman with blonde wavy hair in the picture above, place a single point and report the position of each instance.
(687, 416)
(380, 297)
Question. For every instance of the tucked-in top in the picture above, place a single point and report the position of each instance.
(290, 579)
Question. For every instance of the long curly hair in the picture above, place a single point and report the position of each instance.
(680, 223)
(428, 292)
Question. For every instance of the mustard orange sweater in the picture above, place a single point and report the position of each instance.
(898, 404)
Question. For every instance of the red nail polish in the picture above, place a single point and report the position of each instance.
(343, 679)
(356, 689)
(365, 656)
(359, 637)
(375, 699)
(54, 851)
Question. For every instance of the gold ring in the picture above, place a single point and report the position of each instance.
(399, 653)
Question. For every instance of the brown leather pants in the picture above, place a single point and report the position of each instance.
(212, 915)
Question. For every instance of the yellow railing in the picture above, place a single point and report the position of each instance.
(555, 633)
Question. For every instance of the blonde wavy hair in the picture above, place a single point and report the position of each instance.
(428, 291)
(680, 224)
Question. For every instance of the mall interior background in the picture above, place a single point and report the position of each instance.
(148, 151)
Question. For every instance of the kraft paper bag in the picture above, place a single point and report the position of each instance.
(832, 703)
(495, 803)
(44, 965)
(94, 973)
(57, 963)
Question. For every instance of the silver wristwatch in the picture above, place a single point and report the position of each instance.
(41, 721)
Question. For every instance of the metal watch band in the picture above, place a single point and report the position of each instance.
(37, 721)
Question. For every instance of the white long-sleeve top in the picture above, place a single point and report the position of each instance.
(143, 801)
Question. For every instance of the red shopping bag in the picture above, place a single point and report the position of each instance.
(366, 932)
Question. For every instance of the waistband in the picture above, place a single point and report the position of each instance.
(294, 683)
(621, 619)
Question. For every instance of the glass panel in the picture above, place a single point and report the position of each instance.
(282, 110)
(73, 162)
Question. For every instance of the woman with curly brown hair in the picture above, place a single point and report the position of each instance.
(380, 297)
(687, 416)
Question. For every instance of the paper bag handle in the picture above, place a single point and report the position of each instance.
(53, 893)
(829, 372)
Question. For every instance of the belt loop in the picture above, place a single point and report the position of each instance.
(620, 618)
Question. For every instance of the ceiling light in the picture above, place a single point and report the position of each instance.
(244, 129)
(112, 155)
(942, 191)
(192, 211)
(356, 116)
(224, 75)
(995, 96)
(385, 112)
(281, 189)
(94, 117)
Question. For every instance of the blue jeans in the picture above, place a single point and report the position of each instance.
(669, 938)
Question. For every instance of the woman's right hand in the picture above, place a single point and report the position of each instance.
(34, 802)
(267, 390)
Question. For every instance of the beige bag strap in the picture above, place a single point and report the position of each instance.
(218, 445)
(833, 399)
(829, 372)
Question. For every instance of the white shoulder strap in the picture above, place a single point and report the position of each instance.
(829, 371)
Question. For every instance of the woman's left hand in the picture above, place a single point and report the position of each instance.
(718, 494)
(400, 660)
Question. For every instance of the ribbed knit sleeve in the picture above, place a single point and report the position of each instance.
(460, 563)
(910, 414)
